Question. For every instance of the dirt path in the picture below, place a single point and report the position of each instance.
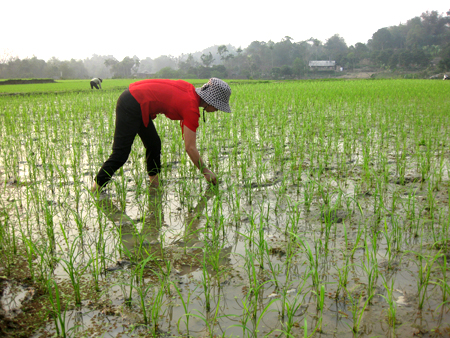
(357, 75)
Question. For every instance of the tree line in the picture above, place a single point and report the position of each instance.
(422, 43)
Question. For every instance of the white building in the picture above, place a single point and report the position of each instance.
(322, 65)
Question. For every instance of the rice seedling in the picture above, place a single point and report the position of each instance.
(45, 266)
(185, 304)
(389, 237)
(210, 319)
(343, 275)
(206, 283)
(73, 265)
(313, 262)
(30, 255)
(392, 305)
(443, 282)
(291, 309)
(370, 266)
(424, 274)
(157, 310)
(320, 306)
(250, 321)
(357, 240)
(8, 244)
(96, 267)
(57, 310)
(357, 309)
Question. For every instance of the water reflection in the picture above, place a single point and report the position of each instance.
(147, 236)
(138, 237)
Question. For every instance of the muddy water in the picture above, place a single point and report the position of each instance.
(168, 230)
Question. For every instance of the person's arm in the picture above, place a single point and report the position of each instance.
(190, 145)
(100, 84)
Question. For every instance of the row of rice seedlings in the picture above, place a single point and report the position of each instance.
(257, 174)
(397, 233)
(42, 209)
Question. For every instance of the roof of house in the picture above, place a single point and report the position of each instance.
(322, 63)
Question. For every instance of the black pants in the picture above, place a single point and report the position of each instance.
(128, 124)
(93, 84)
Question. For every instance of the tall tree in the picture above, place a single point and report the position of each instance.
(336, 48)
(163, 61)
(436, 27)
(283, 52)
(444, 63)
(207, 59)
(399, 34)
(361, 50)
(53, 68)
(299, 67)
(124, 68)
(381, 39)
(95, 66)
(146, 65)
(223, 51)
(73, 69)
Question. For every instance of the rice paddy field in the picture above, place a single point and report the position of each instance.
(330, 219)
(60, 86)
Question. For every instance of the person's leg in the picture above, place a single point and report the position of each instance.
(152, 144)
(128, 124)
(92, 84)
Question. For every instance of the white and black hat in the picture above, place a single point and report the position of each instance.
(216, 93)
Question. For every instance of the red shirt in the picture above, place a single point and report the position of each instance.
(175, 99)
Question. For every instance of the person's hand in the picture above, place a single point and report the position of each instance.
(210, 176)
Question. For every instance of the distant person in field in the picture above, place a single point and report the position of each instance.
(446, 77)
(96, 82)
(138, 105)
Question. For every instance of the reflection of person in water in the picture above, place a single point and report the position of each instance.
(178, 100)
(136, 243)
(188, 249)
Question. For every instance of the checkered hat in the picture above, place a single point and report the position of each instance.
(216, 93)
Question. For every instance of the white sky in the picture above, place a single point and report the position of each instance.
(79, 29)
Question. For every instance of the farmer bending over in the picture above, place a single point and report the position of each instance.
(178, 100)
(96, 82)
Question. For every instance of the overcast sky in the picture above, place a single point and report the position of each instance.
(79, 29)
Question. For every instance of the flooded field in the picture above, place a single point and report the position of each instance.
(330, 219)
